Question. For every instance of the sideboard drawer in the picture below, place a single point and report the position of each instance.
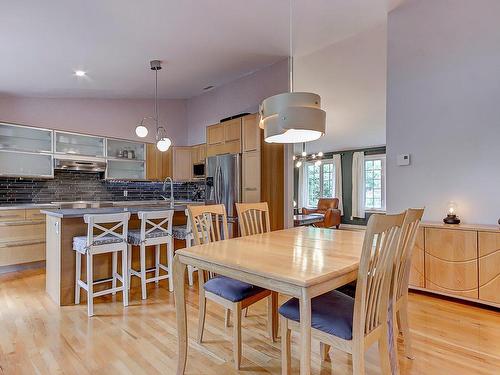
(11, 215)
(451, 245)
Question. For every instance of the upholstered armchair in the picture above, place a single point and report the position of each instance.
(330, 208)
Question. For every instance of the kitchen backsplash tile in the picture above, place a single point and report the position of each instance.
(76, 186)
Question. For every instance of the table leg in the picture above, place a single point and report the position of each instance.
(305, 333)
(180, 307)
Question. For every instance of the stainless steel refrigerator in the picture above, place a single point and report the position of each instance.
(223, 182)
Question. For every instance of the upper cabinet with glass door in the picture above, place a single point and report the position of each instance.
(79, 144)
(23, 138)
(125, 150)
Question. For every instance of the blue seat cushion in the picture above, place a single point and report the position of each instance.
(134, 235)
(331, 312)
(231, 289)
(80, 242)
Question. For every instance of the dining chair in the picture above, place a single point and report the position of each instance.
(155, 230)
(106, 233)
(253, 218)
(354, 324)
(209, 224)
(401, 277)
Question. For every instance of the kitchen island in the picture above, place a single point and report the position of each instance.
(64, 224)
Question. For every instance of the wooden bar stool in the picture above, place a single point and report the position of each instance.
(102, 240)
(156, 230)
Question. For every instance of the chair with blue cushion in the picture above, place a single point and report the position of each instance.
(209, 224)
(354, 324)
(155, 230)
(106, 233)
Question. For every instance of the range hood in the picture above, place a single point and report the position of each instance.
(79, 163)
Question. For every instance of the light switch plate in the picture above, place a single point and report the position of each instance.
(403, 159)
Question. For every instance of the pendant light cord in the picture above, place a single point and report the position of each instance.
(156, 99)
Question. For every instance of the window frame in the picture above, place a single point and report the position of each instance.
(381, 157)
(306, 180)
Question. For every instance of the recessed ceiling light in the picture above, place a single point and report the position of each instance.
(80, 73)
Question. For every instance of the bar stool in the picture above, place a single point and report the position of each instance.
(101, 240)
(184, 232)
(156, 230)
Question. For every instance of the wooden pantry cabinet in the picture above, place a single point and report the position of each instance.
(461, 261)
(224, 138)
(22, 236)
(198, 153)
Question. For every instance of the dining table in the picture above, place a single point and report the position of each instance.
(300, 262)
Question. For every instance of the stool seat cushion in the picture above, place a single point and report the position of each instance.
(134, 235)
(331, 312)
(80, 242)
(231, 289)
(180, 232)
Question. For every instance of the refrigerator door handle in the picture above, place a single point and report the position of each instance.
(220, 185)
(216, 185)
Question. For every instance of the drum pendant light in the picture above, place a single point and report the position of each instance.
(163, 143)
(292, 117)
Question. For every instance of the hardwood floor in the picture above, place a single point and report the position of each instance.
(38, 337)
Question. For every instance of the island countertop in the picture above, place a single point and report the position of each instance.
(133, 209)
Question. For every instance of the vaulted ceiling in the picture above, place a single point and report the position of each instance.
(201, 42)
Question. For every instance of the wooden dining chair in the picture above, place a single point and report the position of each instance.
(354, 324)
(209, 224)
(253, 218)
(401, 277)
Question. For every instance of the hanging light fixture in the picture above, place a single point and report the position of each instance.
(292, 117)
(302, 158)
(163, 143)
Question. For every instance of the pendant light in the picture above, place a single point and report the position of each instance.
(163, 143)
(292, 117)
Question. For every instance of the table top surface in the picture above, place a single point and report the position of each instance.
(302, 256)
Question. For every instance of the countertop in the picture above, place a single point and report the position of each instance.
(133, 209)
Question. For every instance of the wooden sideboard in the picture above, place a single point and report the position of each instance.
(461, 261)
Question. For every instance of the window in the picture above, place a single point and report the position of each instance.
(375, 183)
(320, 182)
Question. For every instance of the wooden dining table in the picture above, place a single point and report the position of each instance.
(301, 262)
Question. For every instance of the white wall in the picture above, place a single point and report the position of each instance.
(443, 107)
(350, 76)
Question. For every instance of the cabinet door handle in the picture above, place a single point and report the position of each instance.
(251, 189)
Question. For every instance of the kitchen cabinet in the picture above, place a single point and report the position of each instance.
(25, 151)
(125, 170)
(251, 133)
(125, 150)
(126, 160)
(78, 144)
(251, 177)
(181, 164)
(154, 163)
(22, 237)
(224, 138)
(215, 134)
(198, 153)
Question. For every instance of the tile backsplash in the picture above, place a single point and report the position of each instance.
(76, 186)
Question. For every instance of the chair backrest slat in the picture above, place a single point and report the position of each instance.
(375, 272)
(253, 218)
(208, 223)
(405, 251)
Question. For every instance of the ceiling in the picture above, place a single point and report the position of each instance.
(201, 42)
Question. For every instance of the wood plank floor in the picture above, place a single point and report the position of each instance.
(38, 337)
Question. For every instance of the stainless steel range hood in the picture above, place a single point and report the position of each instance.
(80, 163)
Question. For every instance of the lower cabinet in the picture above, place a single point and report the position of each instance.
(22, 237)
(461, 261)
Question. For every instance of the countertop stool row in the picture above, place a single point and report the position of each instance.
(108, 233)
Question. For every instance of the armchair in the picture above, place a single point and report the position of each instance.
(328, 207)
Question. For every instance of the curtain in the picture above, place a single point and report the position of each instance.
(358, 185)
(337, 162)
(302, 187)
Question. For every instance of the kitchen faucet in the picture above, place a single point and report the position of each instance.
(171, 190)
